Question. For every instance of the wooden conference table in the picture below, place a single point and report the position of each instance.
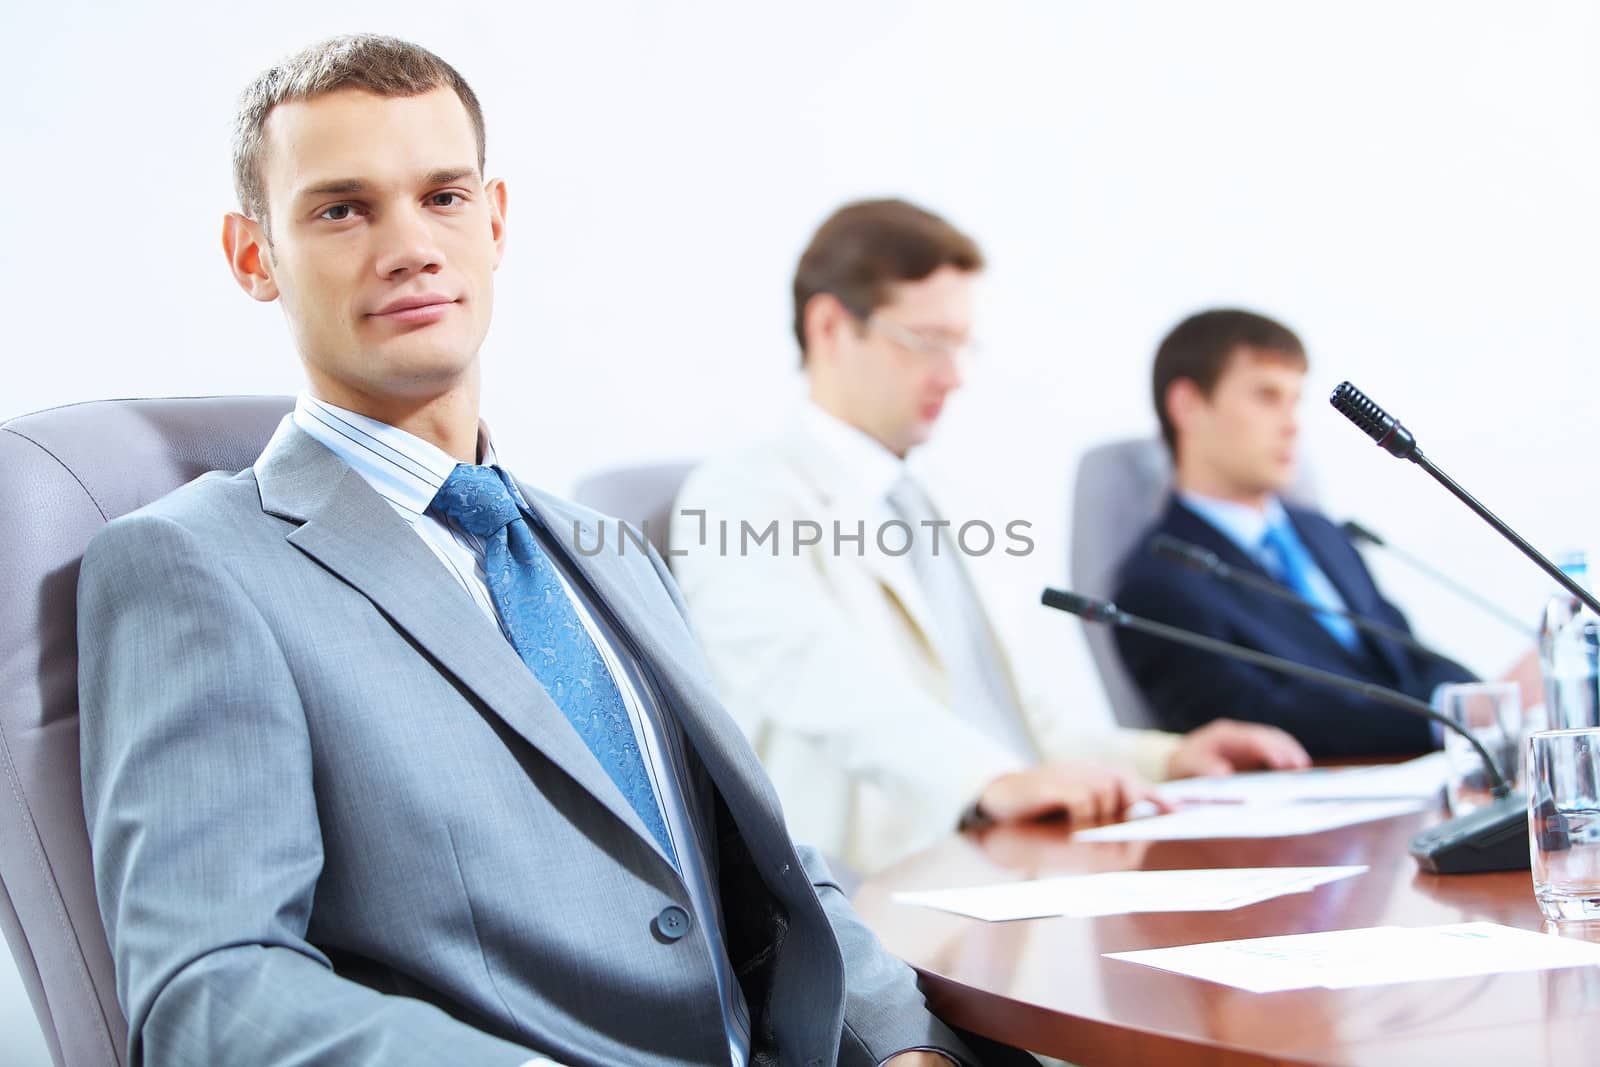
(1043, 984)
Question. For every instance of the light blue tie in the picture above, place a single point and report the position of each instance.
(1285, 556)
(546, 631)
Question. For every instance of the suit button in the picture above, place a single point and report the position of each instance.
(672, 923)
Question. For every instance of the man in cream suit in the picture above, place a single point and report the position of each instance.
(828, 590)
(376, 769)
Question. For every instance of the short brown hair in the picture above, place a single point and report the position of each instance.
(866, 246)
(385, 66)
(1199, 349)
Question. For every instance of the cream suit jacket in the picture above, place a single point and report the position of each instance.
(824, 655)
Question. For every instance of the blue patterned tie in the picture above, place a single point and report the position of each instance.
(547, 633)
(1286, 557)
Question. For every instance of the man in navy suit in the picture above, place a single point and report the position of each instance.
(1226, 385)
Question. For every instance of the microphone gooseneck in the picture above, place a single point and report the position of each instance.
(1087, 608)
(1395, 439)
(1091, 609)
(1360, 534)
(1357, 532)
(1209, 563)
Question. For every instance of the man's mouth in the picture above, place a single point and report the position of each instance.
(417, 308)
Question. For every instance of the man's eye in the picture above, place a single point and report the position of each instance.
(336, 213)
(445, 199)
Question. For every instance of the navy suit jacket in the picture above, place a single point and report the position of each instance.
(1187, 688)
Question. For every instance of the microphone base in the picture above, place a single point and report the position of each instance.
(1492, 838)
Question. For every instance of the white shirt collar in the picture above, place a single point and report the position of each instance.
(405, 470)
(1242, 524)
(871, 468)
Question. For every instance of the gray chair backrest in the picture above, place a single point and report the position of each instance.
(640, 496)
(1120, 489)
(64, 473)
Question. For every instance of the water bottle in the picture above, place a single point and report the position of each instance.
(1569, 653)
(1561, 608)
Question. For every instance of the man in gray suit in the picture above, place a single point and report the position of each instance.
(377, 770)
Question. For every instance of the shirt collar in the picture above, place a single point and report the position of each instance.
(1242, 524)
(871, 468)
(405, 470)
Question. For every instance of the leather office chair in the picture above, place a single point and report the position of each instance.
(1120, 489)
(64, 473)
(640, 496)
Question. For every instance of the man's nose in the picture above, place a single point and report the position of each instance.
(407, 246)
(949, 374)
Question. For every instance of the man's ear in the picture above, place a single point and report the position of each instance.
(1183, 398)
(822, 321)
(244, 242)
(495, 191)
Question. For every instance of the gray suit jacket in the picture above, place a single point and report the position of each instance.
(336, 821)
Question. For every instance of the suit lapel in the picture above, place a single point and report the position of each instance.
(1311, 537)
(840, 502)
(1189, 526)
(1357, 599)
(349, 529)
(665, 647)
(897, 578)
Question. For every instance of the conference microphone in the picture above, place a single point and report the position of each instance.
(1395, 439)
(1208, 562)
(1492, 838)
(1362, 535)
(1357, 532)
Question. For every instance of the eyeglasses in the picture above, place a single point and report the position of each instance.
(929, 347)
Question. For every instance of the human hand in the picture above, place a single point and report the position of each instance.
(1224, 746)
(1084, 792)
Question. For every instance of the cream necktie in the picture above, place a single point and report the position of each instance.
(981, 685)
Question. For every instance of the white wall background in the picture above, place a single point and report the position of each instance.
(1410, 185)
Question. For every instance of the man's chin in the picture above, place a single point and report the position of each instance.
(423, 358)
(1275, 486)
(916, 436)
(419, 380)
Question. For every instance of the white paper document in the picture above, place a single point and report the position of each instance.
(1124, 892)
(1208, 821)
(1421, 778)
(1344, 959)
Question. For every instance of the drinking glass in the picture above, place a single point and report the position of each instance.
(1563, 782)
(1492, 712)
